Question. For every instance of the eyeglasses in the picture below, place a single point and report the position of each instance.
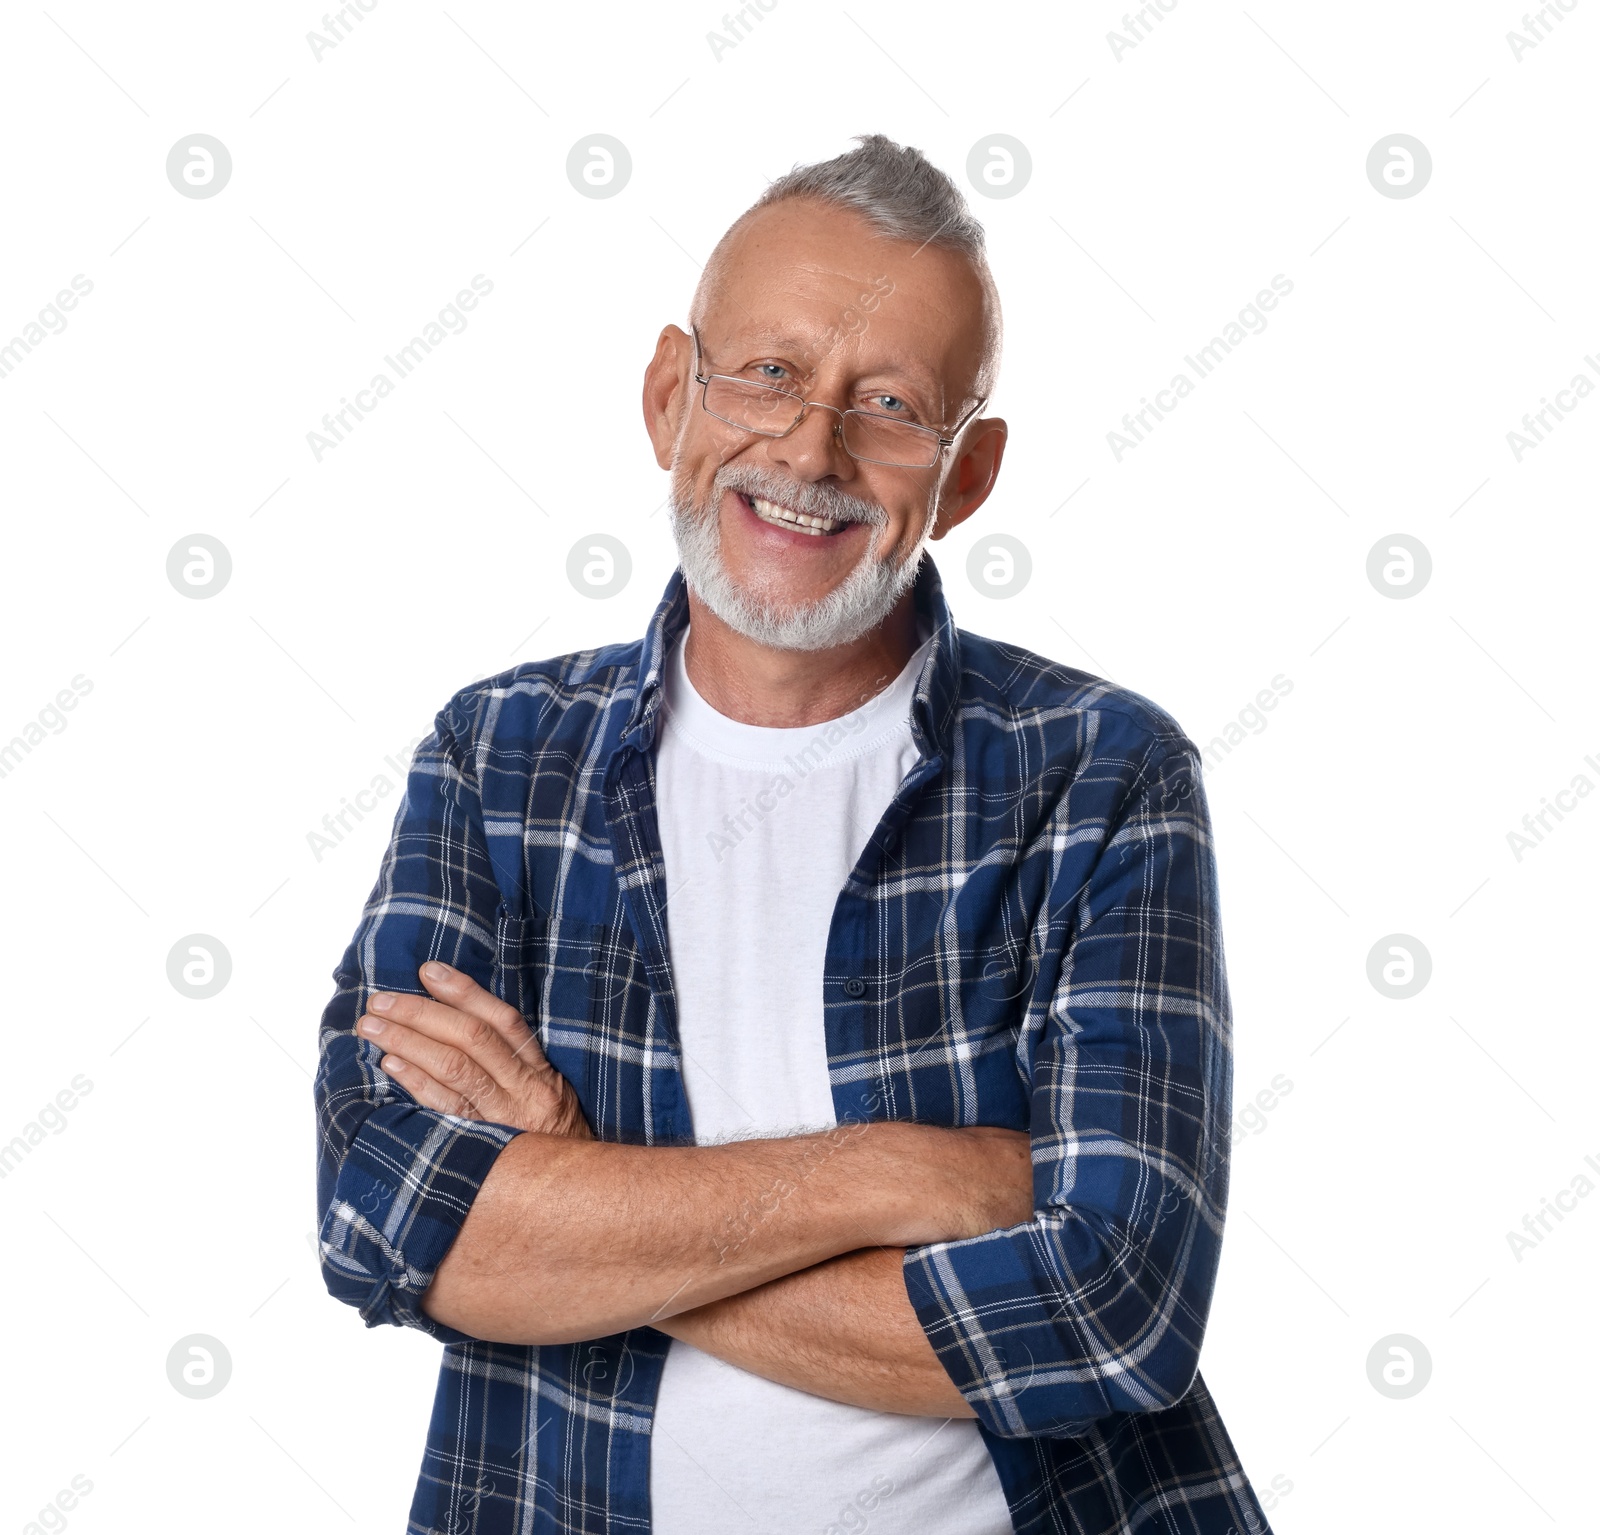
(864, 434)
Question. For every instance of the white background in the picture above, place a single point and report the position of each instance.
(429, 549)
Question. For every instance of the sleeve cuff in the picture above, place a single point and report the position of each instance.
(987, 1311)
(404, 1188)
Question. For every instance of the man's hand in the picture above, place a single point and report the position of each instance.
(470, 1054)
(634, 1235)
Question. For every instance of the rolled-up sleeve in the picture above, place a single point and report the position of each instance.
(1098, 1304)
(395, 1180)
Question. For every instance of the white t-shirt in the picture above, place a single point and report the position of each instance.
(760, 828)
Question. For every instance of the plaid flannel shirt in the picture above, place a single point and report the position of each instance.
(1029, 939)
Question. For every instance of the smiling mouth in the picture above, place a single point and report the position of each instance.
(782, 517)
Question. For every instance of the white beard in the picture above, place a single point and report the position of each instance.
(855, 606)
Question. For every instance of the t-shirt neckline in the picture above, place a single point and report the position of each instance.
(881, 718)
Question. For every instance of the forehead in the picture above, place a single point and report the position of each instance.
(806, 278)
(816, 349)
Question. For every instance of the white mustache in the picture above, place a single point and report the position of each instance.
(834, 506)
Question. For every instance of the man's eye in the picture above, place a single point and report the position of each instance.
(777, 375)
(895, 406)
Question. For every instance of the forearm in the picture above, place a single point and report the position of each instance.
(571, 1239)
(843, 1329)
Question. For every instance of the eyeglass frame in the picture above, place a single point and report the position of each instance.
(704, 380)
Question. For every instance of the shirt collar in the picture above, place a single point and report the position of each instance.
(933, 705)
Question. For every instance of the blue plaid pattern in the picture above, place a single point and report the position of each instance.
(1029, 939)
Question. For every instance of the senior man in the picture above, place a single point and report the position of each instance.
(786, 1059)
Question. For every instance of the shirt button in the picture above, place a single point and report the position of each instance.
(854, 986)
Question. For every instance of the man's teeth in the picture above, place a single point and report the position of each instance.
(770, 511)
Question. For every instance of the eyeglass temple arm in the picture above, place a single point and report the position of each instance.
(955, 431)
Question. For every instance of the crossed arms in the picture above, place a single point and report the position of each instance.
(782, 1256)
(1039, 1283)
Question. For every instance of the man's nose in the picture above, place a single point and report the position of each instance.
(813, 448)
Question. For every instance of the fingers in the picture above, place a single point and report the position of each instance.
(413, 1056)
(455, 988)
(419, 1023)
(426, 1091)
(463, 1051)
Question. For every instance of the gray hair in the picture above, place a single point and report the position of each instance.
(898, 191)
(901, 194)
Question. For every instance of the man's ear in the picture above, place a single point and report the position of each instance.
(971, 479)
(664, 390)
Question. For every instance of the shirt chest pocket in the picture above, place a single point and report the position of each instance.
(583, 989)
